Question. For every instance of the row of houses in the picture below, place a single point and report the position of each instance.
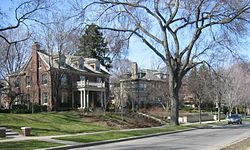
(59, 81)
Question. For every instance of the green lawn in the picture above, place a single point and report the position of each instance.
(119, 134)
(50, 123)
(27, 145)
(246, 119)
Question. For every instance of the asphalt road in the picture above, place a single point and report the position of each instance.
(211, 138)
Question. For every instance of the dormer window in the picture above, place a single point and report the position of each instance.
(28, 80)
(97, 67)
(81, 64)
(62, 61)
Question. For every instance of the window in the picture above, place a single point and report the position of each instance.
(64, 80)
(28, 80)
(17, 82)
(81, 66)
(98, 80)
(64, 97)
(82, 78)
(44, 79)
(28, 97)
(97, 67)
(141, 87)
(45, 98)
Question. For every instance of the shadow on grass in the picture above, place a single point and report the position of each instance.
(35, 131)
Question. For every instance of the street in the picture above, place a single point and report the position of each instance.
(211, 138)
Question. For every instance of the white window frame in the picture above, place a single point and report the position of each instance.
(45, 97)
(44, 78)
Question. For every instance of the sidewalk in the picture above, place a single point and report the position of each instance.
(204, 122)
(70, 144)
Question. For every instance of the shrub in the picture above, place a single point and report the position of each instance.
(187, 109)
(19, 109)
(4, 111)
(39, 108)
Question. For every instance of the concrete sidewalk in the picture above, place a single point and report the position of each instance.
(22, 138)
(70, 144)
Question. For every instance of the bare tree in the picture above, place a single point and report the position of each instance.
(120, 68)
(236, 86)
(59, 38)
(25, 12)
(12, 58)
(181, 33)
(201, 86)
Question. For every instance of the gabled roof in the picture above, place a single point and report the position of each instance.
(147, 74)
(152, 74)
(52, 60)
(69, 63)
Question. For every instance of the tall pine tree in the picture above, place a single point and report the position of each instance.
(93, 45)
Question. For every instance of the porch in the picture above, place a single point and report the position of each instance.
(92, 94)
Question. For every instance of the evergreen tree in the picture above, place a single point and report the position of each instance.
(93, 45)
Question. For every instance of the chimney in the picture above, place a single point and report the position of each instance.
(35, 47)
(134, 70)
(34, 71)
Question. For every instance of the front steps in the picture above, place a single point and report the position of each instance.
(9, 132)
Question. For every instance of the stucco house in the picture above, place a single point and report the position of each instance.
(141, 88)
(59, 81)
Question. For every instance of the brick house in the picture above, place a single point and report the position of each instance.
(60, 81)
(3, 94)
(141, 88)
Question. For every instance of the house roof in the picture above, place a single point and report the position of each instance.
(153, 74)
(148, 74)
(52, 60)
(69, 63)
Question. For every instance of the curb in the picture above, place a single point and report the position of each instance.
(115, 140)
(235, 142)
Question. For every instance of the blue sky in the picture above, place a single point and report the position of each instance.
(138, 52)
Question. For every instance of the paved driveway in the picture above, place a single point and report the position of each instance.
(201, 139)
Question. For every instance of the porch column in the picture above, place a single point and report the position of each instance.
(84, 98)
(104, 93)
(102, 100)
(81, 98)
(73, 99)
(87, 99)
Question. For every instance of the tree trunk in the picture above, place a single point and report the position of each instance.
(174, 87)
(230, 111)
(219, 110)
(199, 110)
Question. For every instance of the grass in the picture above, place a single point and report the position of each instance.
(4, 138)
(55, 123)
(119, 134)
(27, 145)
(242, 145)
(246, 119)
